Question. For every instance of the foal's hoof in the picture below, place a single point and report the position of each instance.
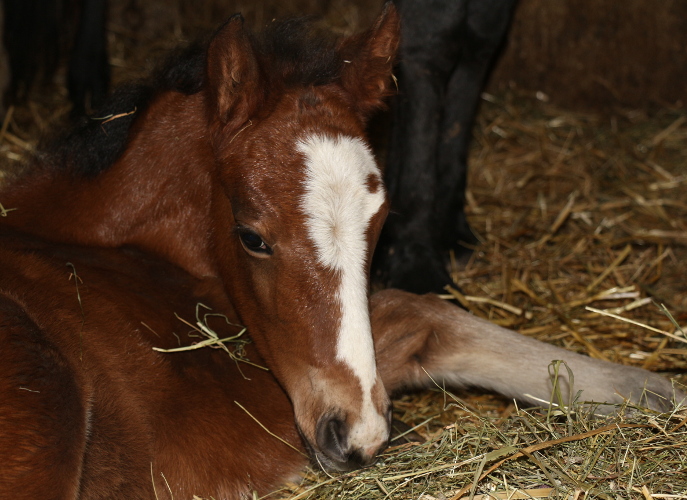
(661, 395)
(644, 389)
(458, 236)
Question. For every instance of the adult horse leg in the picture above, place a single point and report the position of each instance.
(486, 23)
(429, 48)
(446, 51)
(89, 68)
(421, 339)
(4, 65)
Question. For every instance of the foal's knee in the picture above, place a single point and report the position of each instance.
(413, 336)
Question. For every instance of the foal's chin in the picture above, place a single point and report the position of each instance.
(354, 463)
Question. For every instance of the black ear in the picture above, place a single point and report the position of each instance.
(369, 59)
(233, 74)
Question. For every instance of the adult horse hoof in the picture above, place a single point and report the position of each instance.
(415, 268)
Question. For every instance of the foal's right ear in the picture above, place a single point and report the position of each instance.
(369, 59)
(232, 74)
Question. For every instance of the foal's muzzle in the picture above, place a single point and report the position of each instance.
(335, 450)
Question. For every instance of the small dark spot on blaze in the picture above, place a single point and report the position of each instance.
(373, 183)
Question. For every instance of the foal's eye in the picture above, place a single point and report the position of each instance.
(253, 242)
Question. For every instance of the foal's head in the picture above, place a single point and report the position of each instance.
(297, 209)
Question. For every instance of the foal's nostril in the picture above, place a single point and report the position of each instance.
(333, 441)
(332, 438)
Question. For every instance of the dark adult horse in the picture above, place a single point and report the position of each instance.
(241, 181)
(446, 51)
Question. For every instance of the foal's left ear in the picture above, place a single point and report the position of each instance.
(232, 74)
(369, 59)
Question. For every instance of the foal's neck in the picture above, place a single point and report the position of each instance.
(155, 196)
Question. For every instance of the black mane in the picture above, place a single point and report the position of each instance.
(297, 53)
(291, 53)
(94, 143)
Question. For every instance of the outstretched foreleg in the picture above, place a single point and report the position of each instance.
(420, 339)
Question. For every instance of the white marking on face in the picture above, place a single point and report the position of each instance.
(339, 206)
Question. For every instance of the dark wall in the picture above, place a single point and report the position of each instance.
(598, 53)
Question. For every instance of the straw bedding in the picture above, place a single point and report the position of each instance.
(576, 213)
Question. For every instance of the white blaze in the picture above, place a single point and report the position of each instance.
(339, 206)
